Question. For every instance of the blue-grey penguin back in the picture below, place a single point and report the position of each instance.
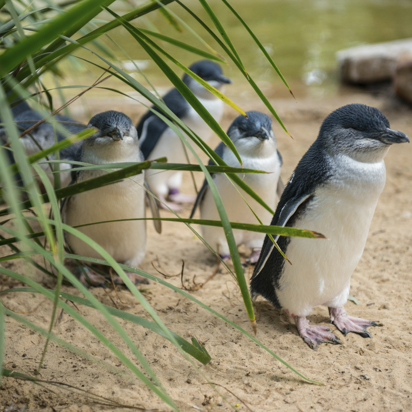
(151, 127)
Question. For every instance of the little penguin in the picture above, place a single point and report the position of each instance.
(256, 144)
(115, 142)
(159, 140)
(334, 190)
(43, 136)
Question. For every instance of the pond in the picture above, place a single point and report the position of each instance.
(302, 36)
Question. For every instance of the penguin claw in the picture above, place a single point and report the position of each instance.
(135, 278)
(313, 335)
(349, 324)
(92, 279)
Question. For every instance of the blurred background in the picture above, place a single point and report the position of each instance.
(302, 37)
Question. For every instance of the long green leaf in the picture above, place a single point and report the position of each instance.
(235, 60)
(273, 230)
(221, 30)
(183, 46)
(192, 350)
(158, 166)
(260, 45)
(59, 266)
(193, 299)
(181, 86)
(77, 16)
(57, 51)
(2, 340)
(91, 184)
(139, 36)
(56, 147)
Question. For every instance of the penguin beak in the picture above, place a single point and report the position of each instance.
(115, 133)
(223, 79)
(390, 136)
(262, 134)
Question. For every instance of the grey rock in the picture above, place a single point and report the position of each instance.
(402, 80)
(371, 63)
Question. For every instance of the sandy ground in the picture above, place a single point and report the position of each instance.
(361, 375)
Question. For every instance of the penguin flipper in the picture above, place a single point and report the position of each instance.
(151, 127)
(202, 192)
(154, 208)
(288, 210)
(200, 196)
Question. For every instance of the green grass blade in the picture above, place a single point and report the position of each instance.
(90, 184)
(75, 282)
(194, 350)
(234, 253)
(222, 31)
(259, 44)
(138, 33)
(59, 255)
(183, 46)
(180, 85)
(76, 16)
(57, 147)
(273, 230)
(165, 13)
(58, 51)
(193, 299)
(193, 33)
(2, 340)
(237, 63)
(158, 166)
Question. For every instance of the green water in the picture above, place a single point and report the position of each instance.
(302, 36)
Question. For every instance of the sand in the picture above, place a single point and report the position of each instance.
(360, 375)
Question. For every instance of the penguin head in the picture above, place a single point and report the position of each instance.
(113, 128)
(253, 134)
(209, 71)
(359, 131)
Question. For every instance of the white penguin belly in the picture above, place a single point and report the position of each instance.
(170, 146)
(197, 124)
(321, 269)
(124, 241)
(236, 207)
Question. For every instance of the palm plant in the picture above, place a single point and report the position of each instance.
(35, 41)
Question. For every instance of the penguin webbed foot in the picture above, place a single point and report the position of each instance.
(177, 197)
(134, 277)
(254, 256)
(89, 278)
(313, 335)
(166, 205)
(349, 324)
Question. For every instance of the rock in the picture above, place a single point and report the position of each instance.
(403, 77)
(371, 63)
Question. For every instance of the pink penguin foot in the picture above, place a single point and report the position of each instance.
(313, 335)
(166, 205)
(347, 324)
(225, 257)
(89, 278)
(134, 277)
(177, 197)
(254, 257)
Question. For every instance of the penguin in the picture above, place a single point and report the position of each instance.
(256, 144)
(43, 136)
(115, 142)
(159, 140)
(334, 190)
